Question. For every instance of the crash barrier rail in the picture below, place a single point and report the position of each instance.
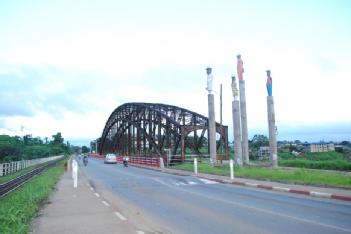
(97, 156)
(137, 160)
(154, 162)
(13, 184)
(11, 167)
(168, 159)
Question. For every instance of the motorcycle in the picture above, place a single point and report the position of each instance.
(125, 161)
(85, 161)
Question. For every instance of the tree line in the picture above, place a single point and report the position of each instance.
(15, 148)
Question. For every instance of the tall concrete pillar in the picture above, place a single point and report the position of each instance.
(271, 123)
(236, 124)
(244, 132)
(211, 118)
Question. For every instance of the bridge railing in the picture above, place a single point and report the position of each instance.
(12, 167)
(189, 158)
(97, 156)
(139, 160)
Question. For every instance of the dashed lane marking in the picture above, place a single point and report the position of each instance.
(105, 203)
(96, 194)
(208, 181)
(121, 217)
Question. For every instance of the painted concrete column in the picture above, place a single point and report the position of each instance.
(244, 132)
(211, 117)
(271, 122)
(236, 124)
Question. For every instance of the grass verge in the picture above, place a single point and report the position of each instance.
(18, 208)
(297, 176)
(337, 164)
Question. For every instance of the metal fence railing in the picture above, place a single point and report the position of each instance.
(11, 167)
(15, 183)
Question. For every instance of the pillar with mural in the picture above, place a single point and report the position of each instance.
(271, 122)
(236, 124)
(244, 131)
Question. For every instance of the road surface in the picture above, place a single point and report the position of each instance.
(187, 204)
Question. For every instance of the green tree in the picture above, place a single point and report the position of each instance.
(57, 139)
(255, 144)
(85, 149)
(258, 141)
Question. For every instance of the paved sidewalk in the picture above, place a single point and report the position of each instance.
(322, 192)
(81, 210)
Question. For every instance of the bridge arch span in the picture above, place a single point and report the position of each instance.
(149, 129)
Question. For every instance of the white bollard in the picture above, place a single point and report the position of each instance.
(195, 166)
(162, 165)
(75, 173)
(231, 169)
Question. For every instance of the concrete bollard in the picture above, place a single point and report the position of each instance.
(231, 169)
(75, 173)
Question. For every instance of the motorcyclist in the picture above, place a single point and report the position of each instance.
(125, 160)
(85, 160)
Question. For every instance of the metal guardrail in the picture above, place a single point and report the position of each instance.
(13, 184)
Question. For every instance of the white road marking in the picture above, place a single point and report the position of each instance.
(160, 181)
(302, 220)
(208, 181)
(192, 183)
(105, 203)
(91, 188)
(96, 194)
(121, 217)
(140, 232)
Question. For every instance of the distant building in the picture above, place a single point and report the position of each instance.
(319, 147)
(264, 152)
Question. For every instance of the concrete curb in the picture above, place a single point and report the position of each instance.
(289, 190)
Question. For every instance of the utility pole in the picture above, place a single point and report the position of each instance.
(211, 117)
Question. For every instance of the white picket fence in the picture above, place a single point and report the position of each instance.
(11, 167)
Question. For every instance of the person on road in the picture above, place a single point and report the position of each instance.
(85, 160)
(125, 160)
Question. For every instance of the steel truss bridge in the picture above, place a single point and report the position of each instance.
(149, 129)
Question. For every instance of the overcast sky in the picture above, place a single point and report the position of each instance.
(66, 65)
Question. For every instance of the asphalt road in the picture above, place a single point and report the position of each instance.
(187, 204)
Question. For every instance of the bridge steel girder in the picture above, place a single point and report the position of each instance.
(147, 129)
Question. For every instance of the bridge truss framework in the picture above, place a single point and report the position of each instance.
(148, 129)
